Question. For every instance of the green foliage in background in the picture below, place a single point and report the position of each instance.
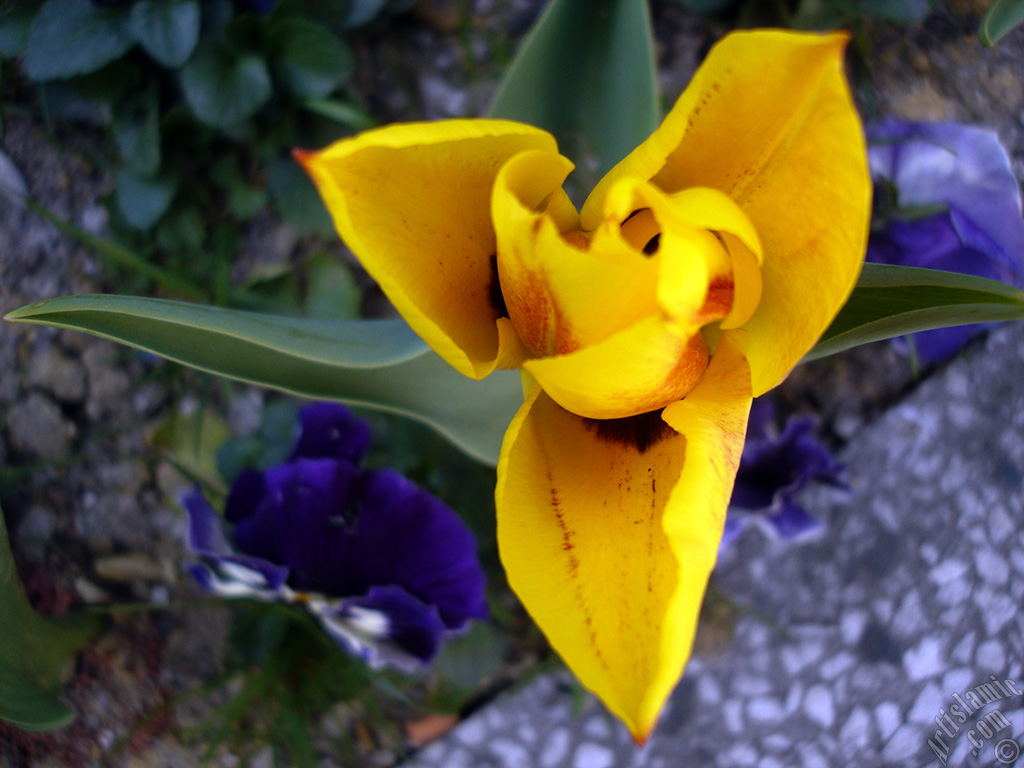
(202, 102)
(34, 652)
(812, 14)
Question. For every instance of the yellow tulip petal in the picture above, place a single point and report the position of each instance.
(563, 289)
(608, 531)
(768, 120)
(641, 369)
(413, 203)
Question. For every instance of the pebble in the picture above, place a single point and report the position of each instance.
(887, 718)
(819, 705)
(924, 660)
(591, 756)
(57, 374)
(927, 704)
(855, 735)
(556, 748)
(765, 709)
(132, 567)
(37, 428)
(990, 656)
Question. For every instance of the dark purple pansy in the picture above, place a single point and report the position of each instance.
(961, 176)
(773, 468)
(260, 7)
(385, 566)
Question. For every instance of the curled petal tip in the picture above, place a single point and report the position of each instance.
(303, 157)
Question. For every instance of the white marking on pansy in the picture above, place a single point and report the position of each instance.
(242, 574)
(373, 623)
(230, 587)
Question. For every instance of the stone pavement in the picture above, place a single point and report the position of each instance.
(892, 619)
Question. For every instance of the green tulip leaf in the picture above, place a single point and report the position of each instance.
(168, 30)
(586, 74)
(15, 22)
(373, 363)
(33, 652)
(1000, 18)
(892, 301)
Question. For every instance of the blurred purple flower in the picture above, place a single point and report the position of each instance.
(773, 468)
(385, 566)
(260, 7)
(964, 173)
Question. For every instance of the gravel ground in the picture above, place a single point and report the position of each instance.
(88, 500)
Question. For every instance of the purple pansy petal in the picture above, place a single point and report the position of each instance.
(762, 416)
(956, 165)
(205, 532)
(408, 537)
(296, 514)
(773, 468)
(341, 531)
(792, 522)
(246, 495)
(332, 431)
(386, 567)
(387, 626)
(261, 7)
(224, 571)
(735, 522)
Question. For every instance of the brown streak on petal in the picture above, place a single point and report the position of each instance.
(574, 567)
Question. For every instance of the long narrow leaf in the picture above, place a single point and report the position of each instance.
(374, 363)
(33, 652)
(586, 73)
(892, 301)
(1001, 17)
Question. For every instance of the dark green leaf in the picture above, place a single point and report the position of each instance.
(378, 364)
(362, 12)
(168, 30)
(706, 7)
(72, 37)
(1001, 17)
(217, 14)
(144, 199)
(14, 25)
(296, 198)
(309, 59)
(136, 126)
(586, 73)
(894, 301)
(33, 652)
(333, 293)
(272, 444)
(344, 112)
(465, 663)
(223, 89)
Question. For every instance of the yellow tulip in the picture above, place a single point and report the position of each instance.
(697, 274)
